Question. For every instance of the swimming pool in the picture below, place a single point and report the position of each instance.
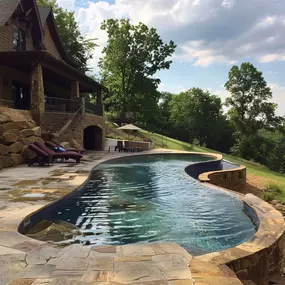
(150, 198)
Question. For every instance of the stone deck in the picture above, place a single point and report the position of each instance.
(24, 261)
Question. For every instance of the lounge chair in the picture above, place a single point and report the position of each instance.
(62, 155)
(42, 157)
(53, 145)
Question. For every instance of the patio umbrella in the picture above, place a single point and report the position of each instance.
(129, 127)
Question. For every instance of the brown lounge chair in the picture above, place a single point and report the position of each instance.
(62, 155)
(53, 145)
(42, 157)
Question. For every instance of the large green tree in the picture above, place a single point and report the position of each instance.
(251, 109)
(134, 53)
(197, 114)
(77, 46)
(250, 104)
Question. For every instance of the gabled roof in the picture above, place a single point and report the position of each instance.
(7, 8)
(47, 16)
(44, 13)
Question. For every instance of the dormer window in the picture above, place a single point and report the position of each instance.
(19, 39)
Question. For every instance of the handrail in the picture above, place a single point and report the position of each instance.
(78, 115)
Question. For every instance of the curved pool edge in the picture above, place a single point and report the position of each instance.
(263, 254)
(246, 259)
(232, 179)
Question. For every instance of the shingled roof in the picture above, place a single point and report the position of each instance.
(7, 8)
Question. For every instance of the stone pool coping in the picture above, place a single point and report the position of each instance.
(206, 176)
(13, 244)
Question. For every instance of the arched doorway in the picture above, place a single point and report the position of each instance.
(92, 139)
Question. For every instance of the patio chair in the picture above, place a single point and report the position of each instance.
(61, 155)
(52, 145)
(42, 158)
(119, 146)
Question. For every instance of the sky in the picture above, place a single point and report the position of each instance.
(211, 36)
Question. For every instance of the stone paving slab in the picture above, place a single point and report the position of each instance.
(24, 261)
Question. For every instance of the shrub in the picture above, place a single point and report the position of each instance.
(188, 147)
(268, 196)
(274, 188)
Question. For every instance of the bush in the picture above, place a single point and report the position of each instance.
(188, 147)
(274, 188)
(268, 196)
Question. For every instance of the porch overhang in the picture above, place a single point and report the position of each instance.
(24, 60)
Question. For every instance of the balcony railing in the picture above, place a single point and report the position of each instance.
(53, 104)
(93, 109)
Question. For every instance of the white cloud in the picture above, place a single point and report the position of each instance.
(161, 87)
(67, 4)
(222, 93)
(228, 3)
(206, 31)
(278, 92)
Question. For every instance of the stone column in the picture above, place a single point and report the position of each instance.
(37, 93)
(99, 97)
(1, 87)
(74, 92)
(74, 95)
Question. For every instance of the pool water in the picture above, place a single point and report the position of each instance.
(150, 198)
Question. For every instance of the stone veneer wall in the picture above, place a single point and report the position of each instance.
(233, 179)
(17, 131)
(264, 254)
(259, 266)
(73, 136)
(55, 121)
(87, 120)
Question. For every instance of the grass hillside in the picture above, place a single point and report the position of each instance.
(259, 177)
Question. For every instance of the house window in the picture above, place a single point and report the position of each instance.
(19, 39)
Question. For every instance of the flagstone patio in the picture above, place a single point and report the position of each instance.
(25, 261)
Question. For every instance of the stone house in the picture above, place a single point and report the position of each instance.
(40, 82)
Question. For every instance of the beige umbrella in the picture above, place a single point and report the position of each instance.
(129, 127)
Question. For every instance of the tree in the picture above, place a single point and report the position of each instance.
(198, 115)
(250, 107)
(163, 121)
(134, 53)
(77, 46)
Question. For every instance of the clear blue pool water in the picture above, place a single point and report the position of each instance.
(151, 199)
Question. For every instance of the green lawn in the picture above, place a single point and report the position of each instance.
(253, 168)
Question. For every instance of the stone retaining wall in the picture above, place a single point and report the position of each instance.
(54, 121)
(17, 131)
(233, 179)
(263, 255)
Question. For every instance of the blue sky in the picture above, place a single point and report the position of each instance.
(211, 36)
